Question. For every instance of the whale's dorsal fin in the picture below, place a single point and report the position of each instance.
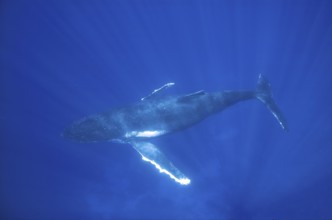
(191, 96)
(157, 91)
(152, 154)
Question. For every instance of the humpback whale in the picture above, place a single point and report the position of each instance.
(155, 115)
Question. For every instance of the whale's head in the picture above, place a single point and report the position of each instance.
(92, 129)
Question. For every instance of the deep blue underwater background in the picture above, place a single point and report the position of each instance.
(62, 60)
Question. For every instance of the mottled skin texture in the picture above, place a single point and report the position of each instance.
(167, 114)
(154, 116)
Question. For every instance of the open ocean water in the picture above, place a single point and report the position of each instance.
(62, 60)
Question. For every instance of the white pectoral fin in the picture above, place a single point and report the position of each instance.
(152, 154)
(157, 91)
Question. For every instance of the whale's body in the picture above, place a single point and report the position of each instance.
(154, 116)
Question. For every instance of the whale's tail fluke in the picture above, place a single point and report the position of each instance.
(264, 94)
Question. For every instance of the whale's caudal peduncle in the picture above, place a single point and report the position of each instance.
(157, 115)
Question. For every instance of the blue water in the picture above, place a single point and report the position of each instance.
(62, 60)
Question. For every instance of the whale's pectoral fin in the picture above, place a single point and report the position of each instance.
(157, 91)
(191, 96)
(152, 154)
